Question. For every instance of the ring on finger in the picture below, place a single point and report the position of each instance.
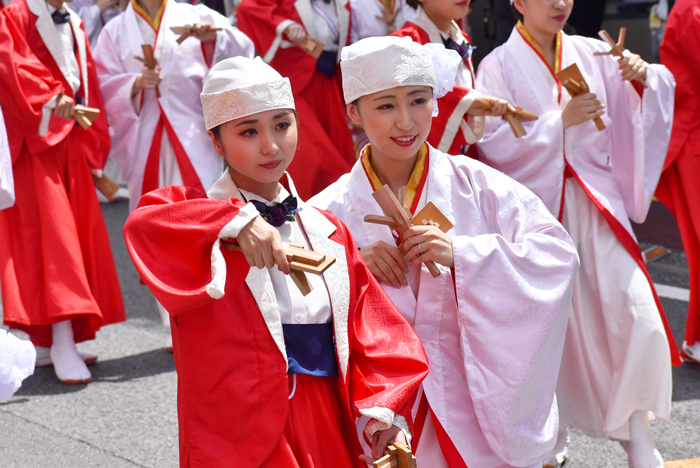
(420, 247)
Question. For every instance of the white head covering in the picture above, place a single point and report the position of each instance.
(239, 86)
(380, 63)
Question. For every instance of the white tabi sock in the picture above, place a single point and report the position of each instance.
(67, 363)
(641, 451)
(560, 452)
(43, 357)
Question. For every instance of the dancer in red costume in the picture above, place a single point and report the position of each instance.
(59, 283)
(678, 188)
(460, 122)
(276, 27)
(268, 377)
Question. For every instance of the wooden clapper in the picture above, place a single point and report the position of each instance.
(301, 261)
(400, 456)
(516, 118)
(399, 217)
(149, 60)
(574, 82)
(616, 48)
(186, 31)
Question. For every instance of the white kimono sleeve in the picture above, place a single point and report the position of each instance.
(7, 187)
(513, 290)
(536, 159)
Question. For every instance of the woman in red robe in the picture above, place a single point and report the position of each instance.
(678, 187)
(268, 376)
(59, 283)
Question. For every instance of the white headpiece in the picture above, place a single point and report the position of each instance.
(379, 63)
(239, 86)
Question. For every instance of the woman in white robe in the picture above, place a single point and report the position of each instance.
(493, 322)
(619, 350)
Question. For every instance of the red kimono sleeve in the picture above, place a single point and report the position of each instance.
(170, 237)
(26, 84)
(387, 361)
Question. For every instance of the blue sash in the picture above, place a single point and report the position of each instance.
(311, 349)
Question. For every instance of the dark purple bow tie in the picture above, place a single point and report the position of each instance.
(464, 51)
(60, 17)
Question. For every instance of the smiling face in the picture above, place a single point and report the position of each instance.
(545, 16)
(397, 121)
(258, 148)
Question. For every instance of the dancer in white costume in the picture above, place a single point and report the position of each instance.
(493, 322)
(617, 358)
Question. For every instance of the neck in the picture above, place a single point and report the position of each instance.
(57, 4)
(547, 41)
(442, 23)
(151, 6)
(266, 190)
(393, 172)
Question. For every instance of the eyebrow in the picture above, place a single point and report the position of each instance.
(254, 121)
(282, 114)
(390, 96)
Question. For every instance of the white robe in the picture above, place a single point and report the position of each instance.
(619, 167)
(493, 326)
(7, 186)
(368, 19)
(92, 17)
(183, 70)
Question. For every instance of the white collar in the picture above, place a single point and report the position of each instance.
(281, 196)
(434, 33)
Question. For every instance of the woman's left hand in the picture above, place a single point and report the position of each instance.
(203, 32)
(381, 440)
(428, 243)
(632, 67)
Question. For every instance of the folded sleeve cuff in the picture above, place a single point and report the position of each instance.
(46, 115)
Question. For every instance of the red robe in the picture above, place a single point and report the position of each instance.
(233, 390)
(444, 132)
(678, 188)
(324, 133)
(55, 258)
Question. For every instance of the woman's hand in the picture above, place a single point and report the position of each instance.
(489, 105)
(381, 440)
(149, 79)
(582, 108)
(632, 67)
(203, 32)
(65, 106)
(386, 262)
(262, 245)
(428, 243)
(295, 33)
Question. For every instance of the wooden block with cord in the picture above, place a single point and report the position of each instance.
(149, 60)
(516, 118)
(85, 116)
(186, 31)
(402, 219)
(311, 46)
(616, 48)
(106, 186)
(399, 456)
(574, 82)
(301, 261)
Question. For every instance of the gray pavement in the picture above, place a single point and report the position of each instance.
(127, 416)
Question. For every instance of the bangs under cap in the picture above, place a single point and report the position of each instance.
(380, 63)
(239, 87)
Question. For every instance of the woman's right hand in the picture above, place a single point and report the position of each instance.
(147, 80)
(386, 262)
(262, 245)
(582, 108)
(295, 33)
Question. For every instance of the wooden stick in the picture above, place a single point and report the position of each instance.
(85, 115)
(617, 49)
(515, 125)
(149, 61)
(106, 186)
(572, 79)
(186, 31)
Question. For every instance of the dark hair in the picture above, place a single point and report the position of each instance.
(413, 3)
(516, 13)
(216, 131)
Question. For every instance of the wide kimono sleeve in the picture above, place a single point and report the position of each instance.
(173, 239)
(513, 283)
(264, 21)
(26, 86)
(640, 131)
(536, 159)
(7, 186)
(387, 361)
